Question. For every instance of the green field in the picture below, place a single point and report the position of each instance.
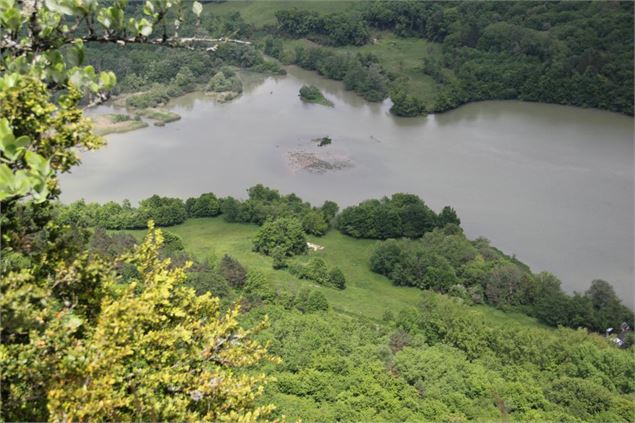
(261, 13)
(367, 294)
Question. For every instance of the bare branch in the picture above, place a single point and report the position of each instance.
(190, 43)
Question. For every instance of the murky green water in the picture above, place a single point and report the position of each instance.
(552, 184)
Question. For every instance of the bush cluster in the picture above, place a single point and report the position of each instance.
(445, 261)
(263, 203)
(402, 215)
(317, 271)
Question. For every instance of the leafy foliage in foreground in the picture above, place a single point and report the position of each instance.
(442, 362)
(149, 349)
(86, 337)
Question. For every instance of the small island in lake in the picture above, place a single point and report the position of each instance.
(311, 94)
(323, 141)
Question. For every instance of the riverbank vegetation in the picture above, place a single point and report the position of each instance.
(312, 94)
(422, 248)
(446, 54)
(427, 57)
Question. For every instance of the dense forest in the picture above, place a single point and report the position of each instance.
(577, 53)
(574, 53)
(267, 307)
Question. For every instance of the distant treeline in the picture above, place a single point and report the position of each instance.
(402, 215)
(421, 248)
(261, 205)
(576, 53)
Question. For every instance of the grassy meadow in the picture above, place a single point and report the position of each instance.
(367, 294)
(400, 56)
(261, 13)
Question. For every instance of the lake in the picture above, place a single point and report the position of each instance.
(551, 184)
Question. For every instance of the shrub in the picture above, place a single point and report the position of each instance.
(208, 281)
(172, 242)
(206, 205)
(337, 279)
(221, 83)
(286, 234)
(232, 271)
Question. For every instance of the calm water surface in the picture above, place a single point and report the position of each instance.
(551, 184)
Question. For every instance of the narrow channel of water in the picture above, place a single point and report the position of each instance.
(551, 184)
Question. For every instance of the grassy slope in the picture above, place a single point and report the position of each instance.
(402, 56)
(260, 13)
(367, 294)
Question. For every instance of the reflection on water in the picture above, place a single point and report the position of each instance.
(552, 184)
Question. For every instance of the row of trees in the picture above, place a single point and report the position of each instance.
(402, 215)
(444, 260)
(164, 211)
(262, 204)
(337, 30)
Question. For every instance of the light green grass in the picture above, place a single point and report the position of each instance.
(260, 13)
(367, 294)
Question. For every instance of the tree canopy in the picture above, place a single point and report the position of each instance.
(84, 338)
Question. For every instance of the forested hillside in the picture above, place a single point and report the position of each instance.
(426, 56)
(268, 308)
(380, 352)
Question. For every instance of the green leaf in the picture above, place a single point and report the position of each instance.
(38, 164)
(144, 27)
(59, 6)
(197, 8)
(18, 184)
(76, 53)
(11, 147)
(12, 19)
(105, 18)
(6, 176)
(5, 130)
(108, 80)
(148, 8)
